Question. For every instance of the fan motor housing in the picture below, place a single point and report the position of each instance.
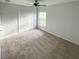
(36, 4)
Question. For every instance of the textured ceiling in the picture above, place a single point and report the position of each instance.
(30, 2)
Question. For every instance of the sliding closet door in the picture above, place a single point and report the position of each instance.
(9, 23)
(8, 19)
(17, 19)
(27, 19)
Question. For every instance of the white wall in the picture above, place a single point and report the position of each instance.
(63, 21)
(12, 13)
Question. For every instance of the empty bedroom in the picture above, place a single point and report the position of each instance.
(39, 29)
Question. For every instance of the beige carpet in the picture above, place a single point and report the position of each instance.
(37, 44)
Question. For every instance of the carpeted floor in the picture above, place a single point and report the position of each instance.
(37, 44)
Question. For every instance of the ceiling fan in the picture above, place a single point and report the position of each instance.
(36, 3)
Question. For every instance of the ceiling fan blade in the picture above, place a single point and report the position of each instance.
(29, 5)
(42, 5)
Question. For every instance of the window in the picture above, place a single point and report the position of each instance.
(42, 19)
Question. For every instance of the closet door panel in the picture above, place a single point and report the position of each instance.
(9, 22)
